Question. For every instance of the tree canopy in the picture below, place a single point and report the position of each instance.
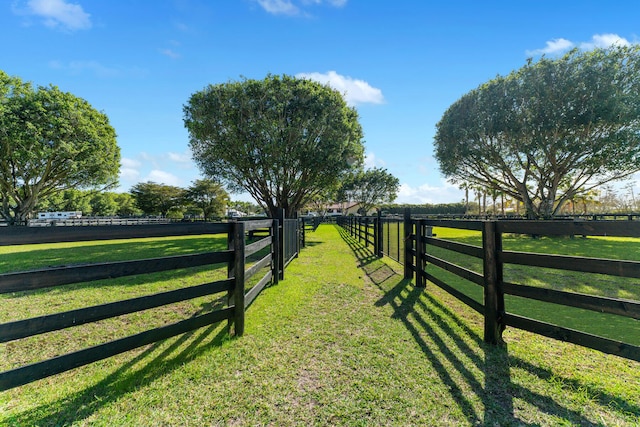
(281, 139)
(50, 141)
(157, 199)
(370, 188)
(208, 196)
(549, 131)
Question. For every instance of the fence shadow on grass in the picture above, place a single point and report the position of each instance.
(126, 378)
(472, 371)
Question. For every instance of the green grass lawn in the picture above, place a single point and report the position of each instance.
(343, 340)
(606, 325)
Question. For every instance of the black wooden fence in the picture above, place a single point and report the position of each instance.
(417, 239)
(267, 248)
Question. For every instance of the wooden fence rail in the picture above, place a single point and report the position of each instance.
(235, 257)
(417, 238)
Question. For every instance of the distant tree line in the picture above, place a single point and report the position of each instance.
(204, 198)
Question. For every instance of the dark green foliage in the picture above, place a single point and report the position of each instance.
(156, 199)
(281, 139)
(50, 141)
(208, 196)
(369, 188)
(554, 129)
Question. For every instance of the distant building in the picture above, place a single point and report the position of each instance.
(234, 213)
(347, 208)
(59, 215)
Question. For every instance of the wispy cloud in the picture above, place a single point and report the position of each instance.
(78, 67)
(279, 7)
(355, 91)
(57, 14)
(163, 177)
(181, 158)
(426, 193)
(604, 41)
(295, 7)
(96, 68)
(371, 161)
(552, 47)
(170, 53)
(334, 3)
(167, 168)
(129, 170)
(560, 46)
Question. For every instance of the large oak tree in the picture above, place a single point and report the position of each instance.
(208, 196)
(281, 139)
(554, 129)
(370, 188)
(157, 199)
(50, 141)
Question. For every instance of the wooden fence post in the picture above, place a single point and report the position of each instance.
(298, 235)
(379, 235)
(493, 295)
(366, 231)
(408, 258)
(420, 262)
(281, 243)
(237, 294)
(275, 251)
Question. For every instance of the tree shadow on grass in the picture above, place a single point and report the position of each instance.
(477, 375)
(125, 379)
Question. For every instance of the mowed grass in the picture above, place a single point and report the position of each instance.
(343, 340)
(23, 305)
(607, 325)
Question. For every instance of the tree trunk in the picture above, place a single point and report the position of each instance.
(484, 203)
(466, 200)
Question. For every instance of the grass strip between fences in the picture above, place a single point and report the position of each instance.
(343, 340)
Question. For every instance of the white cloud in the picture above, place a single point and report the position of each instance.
(279, 7)
(427, 193)
(170, 53)
(354, 91)
(552, 47)
(163, 177)
(604, 41)
(130, 163)
(180, 157)
(289, 7)
(60, 14)
(559, 46)
(168, 168)
(371, 161)
(129, 169)
(334, 3)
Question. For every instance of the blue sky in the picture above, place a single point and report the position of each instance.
(401, 63)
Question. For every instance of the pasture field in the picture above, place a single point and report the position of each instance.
(606, 325)
(23, 305)
(343, 340)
